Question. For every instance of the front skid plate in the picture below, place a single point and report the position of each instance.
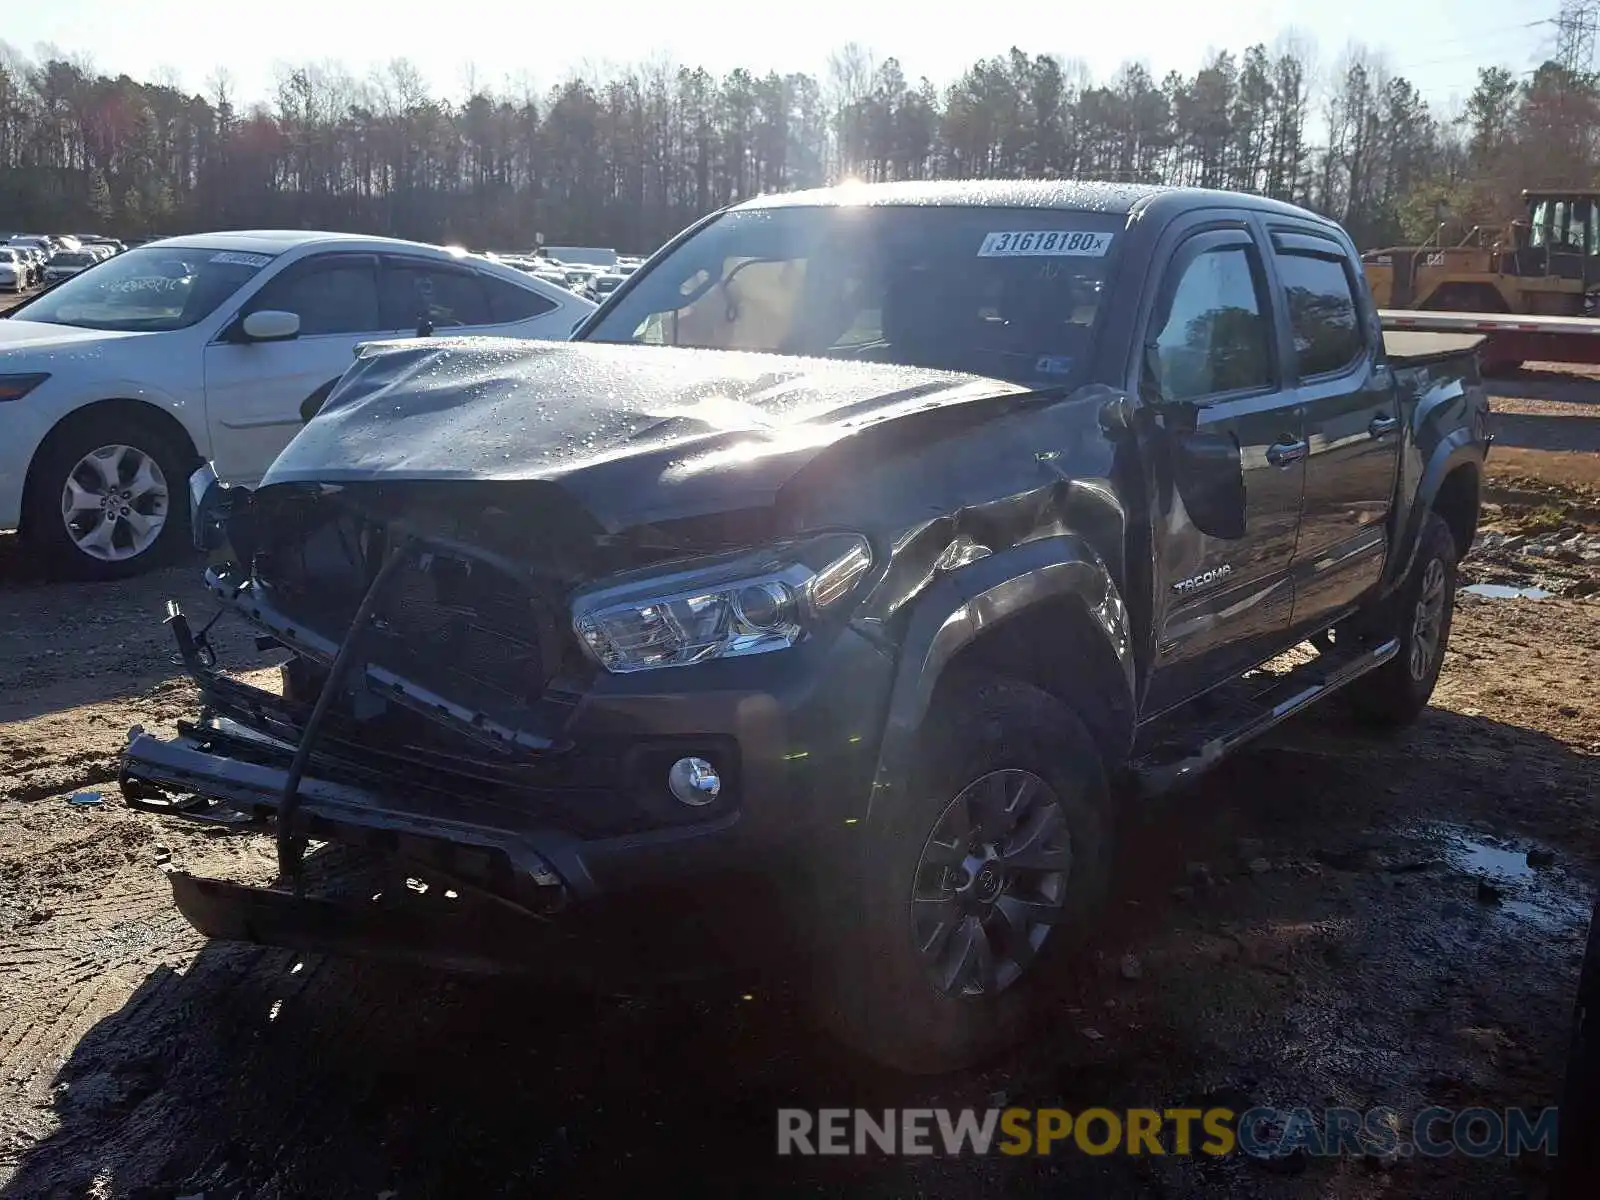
(471, 942)
(621, 954)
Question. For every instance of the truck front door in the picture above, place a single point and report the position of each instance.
(1228, 456)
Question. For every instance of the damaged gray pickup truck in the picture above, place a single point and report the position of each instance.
(872, 545)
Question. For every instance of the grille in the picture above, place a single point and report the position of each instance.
(461, 623)
(453, 624)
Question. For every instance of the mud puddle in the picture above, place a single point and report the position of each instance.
(1521, 882)
(1505, 591)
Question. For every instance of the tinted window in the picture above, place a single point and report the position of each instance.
(508, 302)
(328, 297)
(447, 297)
(1322, 312)
(1215, 336)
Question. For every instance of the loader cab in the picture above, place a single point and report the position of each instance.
(1561, 237)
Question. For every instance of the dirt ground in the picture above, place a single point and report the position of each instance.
(1353, 921)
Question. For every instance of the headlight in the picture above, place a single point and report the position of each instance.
(15, 387)
(209, 499)
(750, 605)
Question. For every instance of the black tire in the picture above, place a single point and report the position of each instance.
(76, 437)
(1395, 694)
(1578, 1153)
(879, 996)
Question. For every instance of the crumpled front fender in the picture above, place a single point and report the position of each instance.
(966, 604)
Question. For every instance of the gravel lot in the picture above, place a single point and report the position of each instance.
(1351, 922)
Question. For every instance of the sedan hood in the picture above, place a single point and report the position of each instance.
(19, 334)
(633, 433)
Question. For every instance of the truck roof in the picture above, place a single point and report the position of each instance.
(1072, 194)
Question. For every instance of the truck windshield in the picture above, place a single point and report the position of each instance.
(1008, 293)
(155, 288)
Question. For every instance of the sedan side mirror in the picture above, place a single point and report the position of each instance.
(270, 325)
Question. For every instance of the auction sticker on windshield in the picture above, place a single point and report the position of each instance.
(240, 259)
(1044, 243)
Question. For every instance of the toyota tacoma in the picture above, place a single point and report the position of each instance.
(877, 543)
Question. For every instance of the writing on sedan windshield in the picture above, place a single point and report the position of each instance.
(149, 289)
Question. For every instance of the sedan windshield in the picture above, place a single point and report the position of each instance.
(1009, 293)
(154, 288)
(72, 260)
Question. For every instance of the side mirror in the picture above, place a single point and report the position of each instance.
(270, 325)
(1208, 469)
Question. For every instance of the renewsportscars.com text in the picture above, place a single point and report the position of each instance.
(1259, 1132)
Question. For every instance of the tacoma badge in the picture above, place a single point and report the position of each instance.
(1205, 577)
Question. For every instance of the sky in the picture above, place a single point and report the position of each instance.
(1437, 44)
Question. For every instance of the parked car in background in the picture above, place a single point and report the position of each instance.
(31, 272)
(550, 273)
(112, 244)
(602, 285)
(36, 260)
(577, 277)
(118, 383)
(40, 249)
(588, 256)
(14, 271)
(64, 264)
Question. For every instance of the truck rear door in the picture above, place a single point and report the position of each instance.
(1343, 385)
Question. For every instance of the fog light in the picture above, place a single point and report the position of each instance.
(694, 781)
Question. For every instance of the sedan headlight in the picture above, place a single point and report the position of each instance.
(750, 605)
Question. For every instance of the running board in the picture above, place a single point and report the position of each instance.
(1293, 693)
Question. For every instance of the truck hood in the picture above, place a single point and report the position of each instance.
(633, 433)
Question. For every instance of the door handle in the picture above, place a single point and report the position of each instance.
(1284, 454)
(1382, 425)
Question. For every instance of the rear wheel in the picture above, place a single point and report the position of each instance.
(1419, 615)
(990, 860)
(107, 497)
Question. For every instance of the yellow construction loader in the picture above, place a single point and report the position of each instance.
(1545, 263)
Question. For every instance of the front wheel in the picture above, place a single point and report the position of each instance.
(106, 497)
(993, 856)
(1419, 615)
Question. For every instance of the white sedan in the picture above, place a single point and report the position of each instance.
(64, 264)
(13, 270)
(118, 382)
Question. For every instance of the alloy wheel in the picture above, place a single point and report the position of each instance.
(990, 883)
(114, 503)
(1427, 620)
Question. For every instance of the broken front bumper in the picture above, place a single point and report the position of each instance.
(535, 834)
